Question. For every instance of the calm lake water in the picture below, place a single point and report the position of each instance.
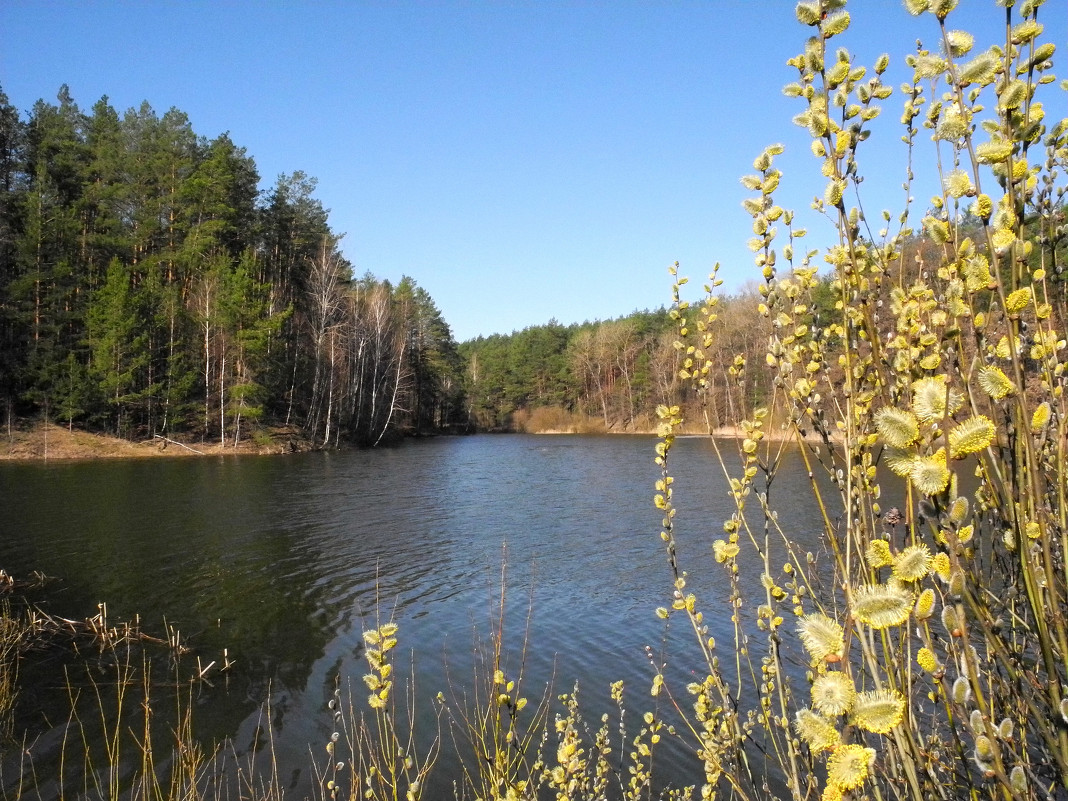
(281, 560)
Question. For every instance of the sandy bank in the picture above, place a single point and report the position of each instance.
(51, 442)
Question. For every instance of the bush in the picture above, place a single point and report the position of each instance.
(554, 420)
(933, 636)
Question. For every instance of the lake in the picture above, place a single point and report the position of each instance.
(282, 560)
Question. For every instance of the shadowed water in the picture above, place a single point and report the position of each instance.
(282, 560)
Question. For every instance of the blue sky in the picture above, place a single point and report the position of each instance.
(521, 161)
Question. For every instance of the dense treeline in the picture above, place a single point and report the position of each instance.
(148, 286)
(610, 375)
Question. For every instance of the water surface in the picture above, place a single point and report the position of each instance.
(282, 560)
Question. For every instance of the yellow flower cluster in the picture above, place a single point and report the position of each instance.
(380, 641)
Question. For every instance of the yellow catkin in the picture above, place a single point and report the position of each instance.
(833, 694)
(822, 636)
(848, 765)
(925, 658)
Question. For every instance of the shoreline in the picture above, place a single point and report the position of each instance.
(48, 442)
(722, 432)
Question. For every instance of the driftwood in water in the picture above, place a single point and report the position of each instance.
(34, 630)
(8, 583)
(43, 629)
(179, 444)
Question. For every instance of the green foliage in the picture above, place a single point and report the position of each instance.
(612, 371)
(146, 287)
(435, 398)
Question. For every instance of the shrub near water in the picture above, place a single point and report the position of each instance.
(937, 658)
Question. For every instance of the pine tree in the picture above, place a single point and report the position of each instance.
(12, 206)
(46, 288)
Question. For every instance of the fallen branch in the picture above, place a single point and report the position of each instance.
(179, 444)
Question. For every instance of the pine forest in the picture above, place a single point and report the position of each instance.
(148, 287)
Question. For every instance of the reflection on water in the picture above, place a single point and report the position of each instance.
(280, 559)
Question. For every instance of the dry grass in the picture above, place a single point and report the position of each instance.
(46, 441)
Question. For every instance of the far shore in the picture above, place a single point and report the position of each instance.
(50, 442)
(721, 432)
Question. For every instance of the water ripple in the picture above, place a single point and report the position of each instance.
(282, 560)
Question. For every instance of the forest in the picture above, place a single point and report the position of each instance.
(150, 287)
(604, 376)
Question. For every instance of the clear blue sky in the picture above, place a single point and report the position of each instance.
(521, 161)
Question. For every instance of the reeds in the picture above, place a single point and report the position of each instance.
(11, 638)
(119, 740)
